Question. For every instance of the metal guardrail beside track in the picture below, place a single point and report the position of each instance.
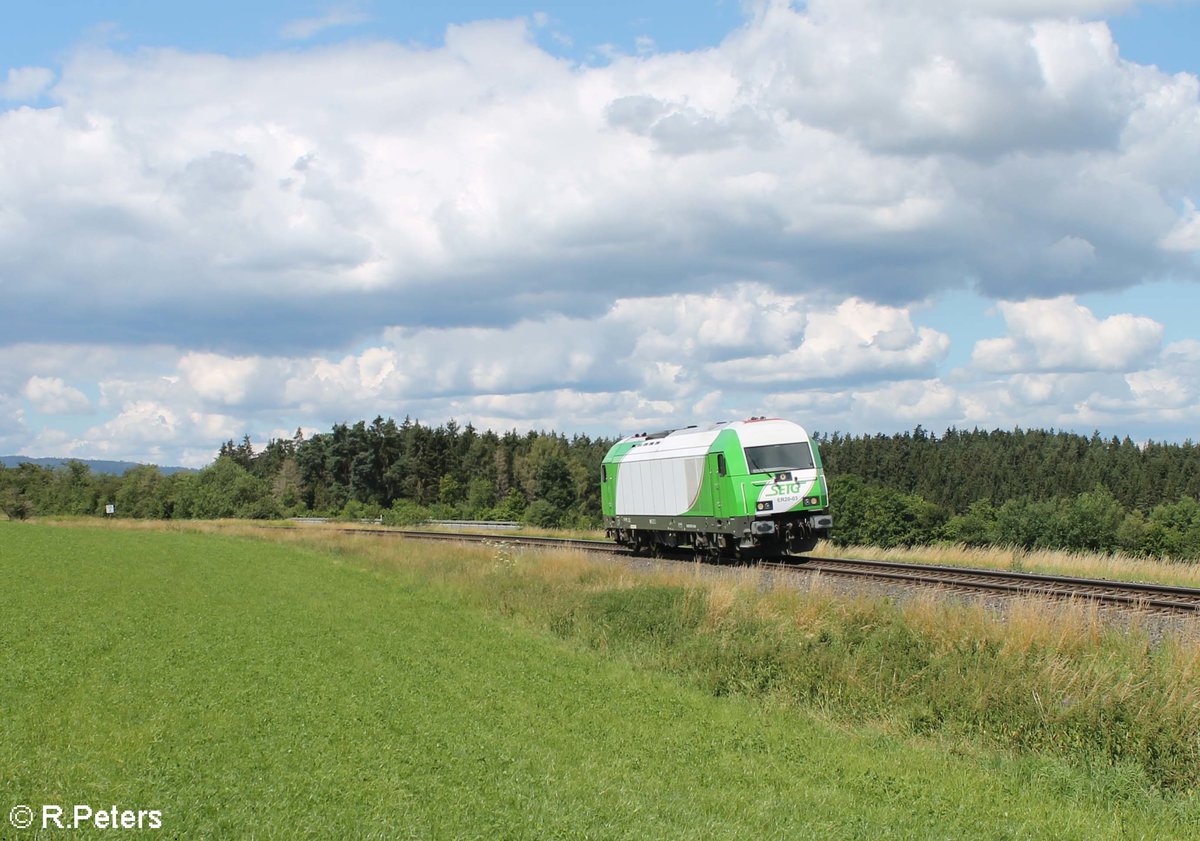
(497, 525)
(605, 546)
(1126, 594)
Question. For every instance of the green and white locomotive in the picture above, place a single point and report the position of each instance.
(741, 489)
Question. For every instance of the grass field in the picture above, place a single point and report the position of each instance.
(271, 690)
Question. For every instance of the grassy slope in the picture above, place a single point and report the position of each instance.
(243, 687)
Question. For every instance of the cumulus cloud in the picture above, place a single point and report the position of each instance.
(671, 348)
(874, 149)
(679, 129)
(486, 230)
(1060, 366)
(52, 396)
(220, 379)
(1185, 235)
(26, 83)
(1172, 385)
(158, 433)
(912, 402)
(857, 340)
(645, 363)
(1061, 335)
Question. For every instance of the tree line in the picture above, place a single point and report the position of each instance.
(1030, 488)
(401, 472)
(963, 467)
(1035, 489)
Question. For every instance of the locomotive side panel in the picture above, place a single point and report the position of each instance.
(662, 486)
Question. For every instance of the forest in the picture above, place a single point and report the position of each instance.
(1030, 488)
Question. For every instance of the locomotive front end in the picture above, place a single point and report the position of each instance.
(787, 485)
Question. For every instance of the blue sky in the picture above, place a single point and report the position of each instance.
(1159, 33)
(249, 217)
(40, 34)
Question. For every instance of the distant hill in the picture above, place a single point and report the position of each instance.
(116, 468)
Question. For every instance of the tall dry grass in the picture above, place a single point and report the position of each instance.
(1117, 567)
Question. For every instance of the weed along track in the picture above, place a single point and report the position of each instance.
(1157, 598)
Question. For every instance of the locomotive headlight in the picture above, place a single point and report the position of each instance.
(763, 506)
(812, 500)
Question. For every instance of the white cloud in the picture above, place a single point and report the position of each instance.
(222, 245)
(157, 433)
(1158, 399)
(26, 83)
(916, 80)
(912, 402)
(302, 29)
(220, 379)
(856, 340)
(1061, 335)
(1185, 235)
(52, 396)
(1174, 383)
(877, 149)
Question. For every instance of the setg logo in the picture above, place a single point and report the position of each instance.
(784, 489)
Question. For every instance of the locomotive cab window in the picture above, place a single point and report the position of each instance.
(604, 473)
(721, 470)
(775, 457)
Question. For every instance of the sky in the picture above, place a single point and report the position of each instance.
(233, 219)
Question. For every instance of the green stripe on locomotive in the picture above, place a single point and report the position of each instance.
(723, 496)
(739, 492)
(608, 476)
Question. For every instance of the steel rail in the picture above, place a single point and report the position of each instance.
(1101, 590)
(1129, 594)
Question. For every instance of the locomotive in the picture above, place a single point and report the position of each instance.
(741, 489)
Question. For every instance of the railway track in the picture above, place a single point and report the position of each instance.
(1125, 594)
(1158, 597)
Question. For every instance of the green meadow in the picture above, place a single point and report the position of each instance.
(274, 688)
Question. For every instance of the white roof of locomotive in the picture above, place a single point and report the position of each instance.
(695, 441)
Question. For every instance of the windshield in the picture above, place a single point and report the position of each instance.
(774, 457)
